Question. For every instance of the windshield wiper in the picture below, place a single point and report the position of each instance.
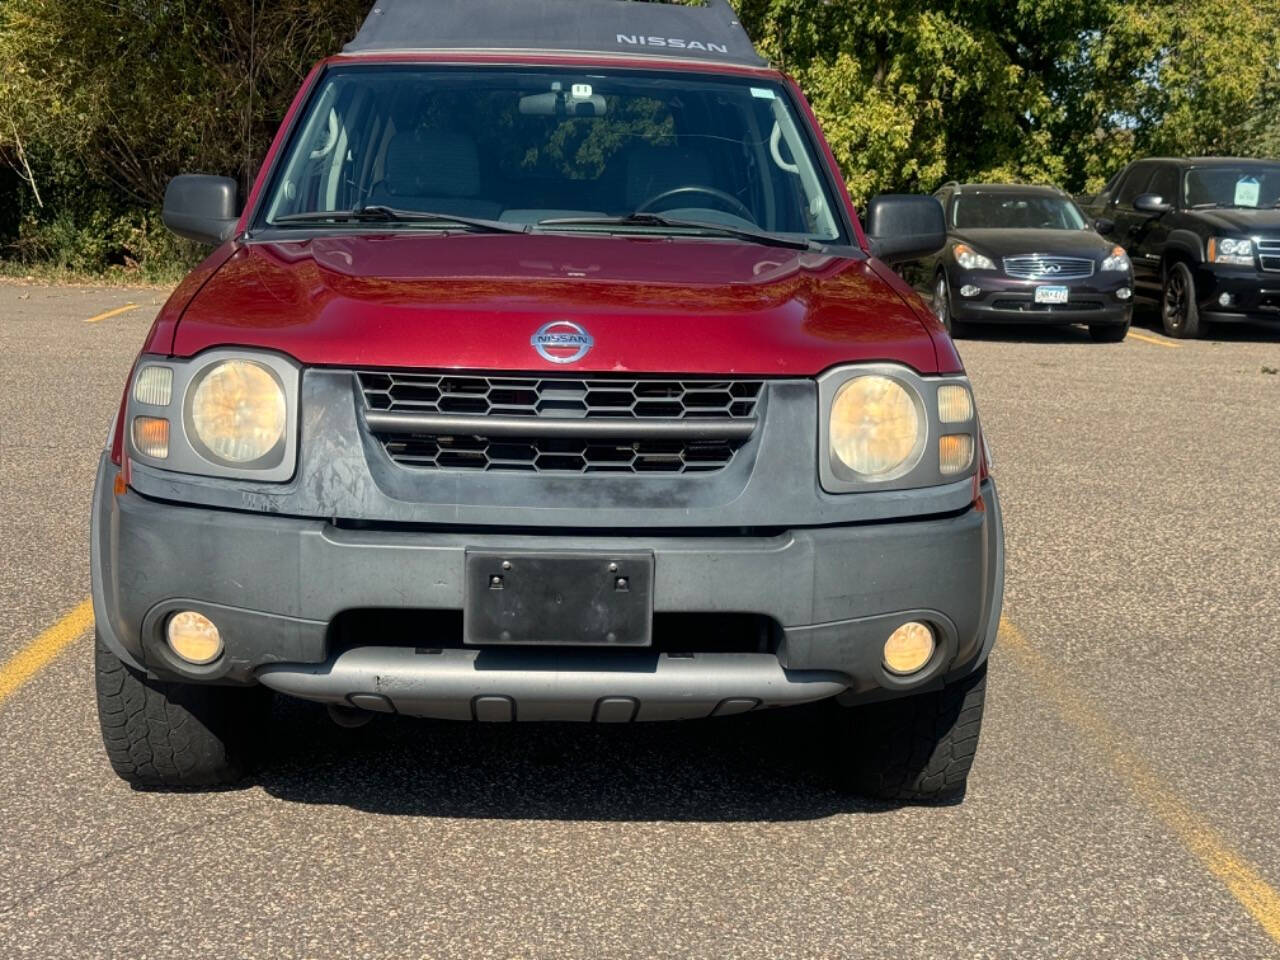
(657, 220)
(377, 213)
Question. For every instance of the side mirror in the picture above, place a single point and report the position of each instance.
(1104, 226)
(202, 208)
(1151, 203)
(903, 227)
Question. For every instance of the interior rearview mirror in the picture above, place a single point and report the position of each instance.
(1151, 203)
(202, 208)
(904, 227)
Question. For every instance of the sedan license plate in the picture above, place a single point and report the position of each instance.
(566, 599)
(1052, 294)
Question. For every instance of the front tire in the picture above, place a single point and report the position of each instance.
(1109, 332)
(162, 734)
(942, 306)
(1178, 307)
(919, 749)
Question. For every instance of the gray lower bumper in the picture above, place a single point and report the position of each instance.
(506, 686)
(275, 585)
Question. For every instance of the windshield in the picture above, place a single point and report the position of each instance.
(531, 145)
(1248, 185)
(1017, 211)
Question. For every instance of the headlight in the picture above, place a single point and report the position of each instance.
(1227, 250)
(886, 427)
(970, 258)
(226, 413)
(1116, 260)
(876, 428)
(238, 412)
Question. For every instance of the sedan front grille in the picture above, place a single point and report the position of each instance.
(1034, 267)
(1269, 253)
(559, 425)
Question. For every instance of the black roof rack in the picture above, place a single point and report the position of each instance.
(658, 28)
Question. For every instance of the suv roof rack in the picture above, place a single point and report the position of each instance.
(708, 31)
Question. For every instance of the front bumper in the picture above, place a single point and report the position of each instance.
(1255, 296)
(276, 585)
(1006, 300)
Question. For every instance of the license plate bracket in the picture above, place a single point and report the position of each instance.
(558, 598)
(1053, 294)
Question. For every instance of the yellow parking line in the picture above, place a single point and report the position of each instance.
(113, 313)
(1158, 342)
(36, 655)
(1241, 879)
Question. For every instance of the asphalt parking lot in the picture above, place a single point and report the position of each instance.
(1124, 802)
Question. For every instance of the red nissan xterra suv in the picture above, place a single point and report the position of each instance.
(546, 373)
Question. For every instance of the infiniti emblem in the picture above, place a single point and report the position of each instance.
(1041, 267)
(562, 342)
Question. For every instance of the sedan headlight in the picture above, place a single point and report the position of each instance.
(225, 413)
(1231, 251)
(876, 427)
(971, 259)
(1116, 260)
(238, 412)
(887, 427)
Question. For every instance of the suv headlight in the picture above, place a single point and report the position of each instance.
(1228, 250)
(886, 427)
(237, 412)
(1117, 259)
(970, 258)
(226, 413)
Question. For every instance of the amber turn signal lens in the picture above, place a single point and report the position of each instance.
(151, 437)
(955, 454)
(909, 649)
(194, 637)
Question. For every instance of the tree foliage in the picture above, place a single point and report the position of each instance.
(100, 103)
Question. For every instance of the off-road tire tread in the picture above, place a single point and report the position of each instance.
(161, 734)
(920, 749)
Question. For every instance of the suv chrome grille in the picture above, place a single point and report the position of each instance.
(554, 424)
(1033, 267)
(1269, 253)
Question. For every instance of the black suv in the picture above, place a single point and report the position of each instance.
(1203, 234)
(1024, 254)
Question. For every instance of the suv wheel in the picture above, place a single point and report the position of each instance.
(942, 305)
(919, 749)
(1178, 305)
(161, 734)
(1109, 332)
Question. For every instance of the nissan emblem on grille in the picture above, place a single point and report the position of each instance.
(562, 342)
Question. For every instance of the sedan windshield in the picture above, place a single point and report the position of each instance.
(399, 148)
(1015, 211)
(1248, 185)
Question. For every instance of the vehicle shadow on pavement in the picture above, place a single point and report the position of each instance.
(771, 766)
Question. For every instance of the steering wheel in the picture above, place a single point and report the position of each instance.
(736, 206)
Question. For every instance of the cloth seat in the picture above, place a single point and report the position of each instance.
(437, 171)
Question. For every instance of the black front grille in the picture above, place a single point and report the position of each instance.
(1269, 255)
(556, 397)
(636, 426)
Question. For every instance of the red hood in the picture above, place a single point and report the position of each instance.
(652, 305)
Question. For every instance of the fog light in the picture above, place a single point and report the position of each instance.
(194, 638)
(1226, 300)
(909, 649)
(969, 290)
(1124, 293)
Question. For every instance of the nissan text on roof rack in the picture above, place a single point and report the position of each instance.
(547, 375)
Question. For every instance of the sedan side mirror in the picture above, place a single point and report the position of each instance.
(202, 208)
(903, 227)
(1151, 203)
(1103, 225)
